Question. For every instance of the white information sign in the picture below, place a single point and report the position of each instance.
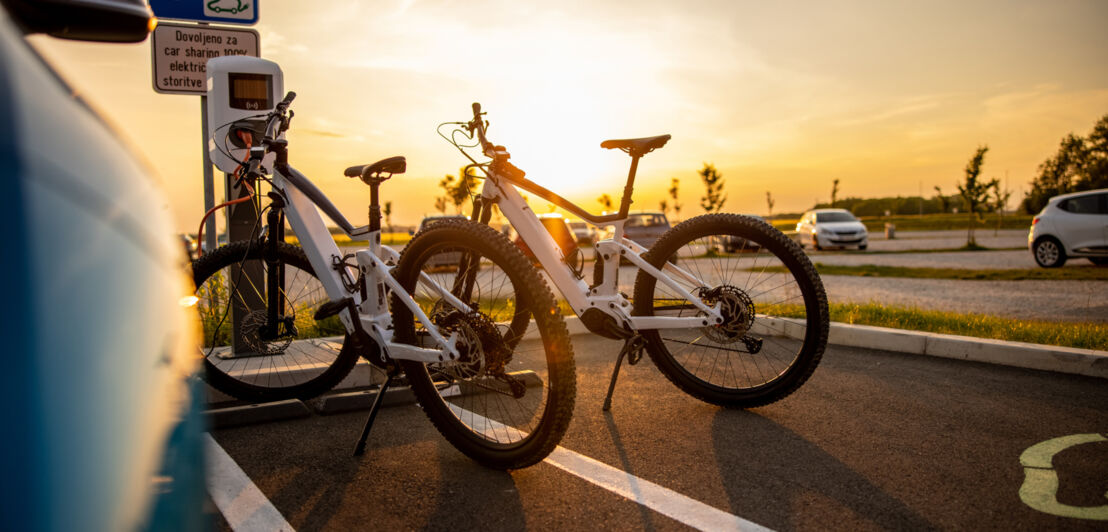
(181, 52)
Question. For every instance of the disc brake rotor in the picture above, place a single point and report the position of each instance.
(252, 335)
(482, 349)
(737, 310)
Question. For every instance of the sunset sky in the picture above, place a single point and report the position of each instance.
(887, 96)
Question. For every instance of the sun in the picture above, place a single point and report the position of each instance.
(556, 141)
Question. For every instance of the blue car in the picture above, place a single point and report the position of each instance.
(101, 410)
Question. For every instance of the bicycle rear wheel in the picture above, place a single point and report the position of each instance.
(304, 359)
(508, 400)
(773, 303)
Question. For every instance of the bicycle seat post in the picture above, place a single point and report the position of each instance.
(374, 204)
(625, 202)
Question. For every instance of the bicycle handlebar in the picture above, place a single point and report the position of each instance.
(277, 116)
(479, 125)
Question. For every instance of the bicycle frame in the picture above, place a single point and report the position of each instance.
(604, 297)
(373, 316)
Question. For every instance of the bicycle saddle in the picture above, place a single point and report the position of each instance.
(641, 146)
(392, 165)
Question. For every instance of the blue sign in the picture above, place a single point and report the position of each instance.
(221, 11)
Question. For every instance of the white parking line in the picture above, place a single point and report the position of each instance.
(246, 508)
(242, 504)
(662, 500)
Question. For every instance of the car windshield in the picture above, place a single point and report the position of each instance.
(646, 220)
(835, 217)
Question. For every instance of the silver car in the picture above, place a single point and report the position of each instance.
(824, 228)
(1071, 225)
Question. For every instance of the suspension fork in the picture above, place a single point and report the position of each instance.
(467, 273)
(275, 270)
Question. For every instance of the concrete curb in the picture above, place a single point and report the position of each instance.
(1058, 359)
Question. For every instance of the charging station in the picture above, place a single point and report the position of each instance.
(241, 90)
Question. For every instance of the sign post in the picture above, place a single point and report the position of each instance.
(180, 54)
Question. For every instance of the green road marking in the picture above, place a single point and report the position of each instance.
(1040, 482)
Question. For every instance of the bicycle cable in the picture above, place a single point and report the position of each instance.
(247, 138)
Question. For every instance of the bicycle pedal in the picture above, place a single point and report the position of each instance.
(635, 346)
(332, 308)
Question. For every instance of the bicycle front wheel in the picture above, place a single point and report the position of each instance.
(296, 357)
(507, 401)
(772, 300)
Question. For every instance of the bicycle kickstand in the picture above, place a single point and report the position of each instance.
(359, 449)
(632, 349)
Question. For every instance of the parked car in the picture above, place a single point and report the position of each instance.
(644, 227)
(1071, 225)
(825, 228)
(583, 232)
(103, 418)
(734, 244)
(442, 260)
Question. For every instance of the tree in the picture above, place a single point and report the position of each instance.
(674, 185)
(974, 193)
(769, 205)
(942, 199)
(461, 192)
(834, 191)
(1079, 164)
(663, 206)
(1000, 199)
(713, 198)
(606, 202)
(387, 211)
(447, 185)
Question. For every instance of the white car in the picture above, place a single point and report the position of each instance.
(824, 228)
(1071, 225)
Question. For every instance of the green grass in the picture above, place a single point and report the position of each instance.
(1082, 335)
(1081, 273)
(1085, 335)
(916, 251)
(397, 239)
(1091, 273)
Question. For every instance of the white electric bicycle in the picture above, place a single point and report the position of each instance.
(729, 308)
(471, 324)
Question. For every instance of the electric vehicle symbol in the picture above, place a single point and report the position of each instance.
(1040, 484)
(239, 7)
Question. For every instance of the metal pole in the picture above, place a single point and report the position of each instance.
(209, 179)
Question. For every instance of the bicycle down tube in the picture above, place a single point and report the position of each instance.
(321, 250)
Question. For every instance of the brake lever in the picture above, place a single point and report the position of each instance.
(286, 122)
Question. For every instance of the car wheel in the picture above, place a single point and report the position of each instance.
(862, 247)
(1049, 253)
(815, 244)
(1099, 261)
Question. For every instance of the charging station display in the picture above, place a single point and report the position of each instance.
(241, 90)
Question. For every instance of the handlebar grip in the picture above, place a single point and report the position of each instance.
(476, 110)
(288, 99)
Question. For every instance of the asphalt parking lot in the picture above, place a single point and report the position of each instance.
(875, 440)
